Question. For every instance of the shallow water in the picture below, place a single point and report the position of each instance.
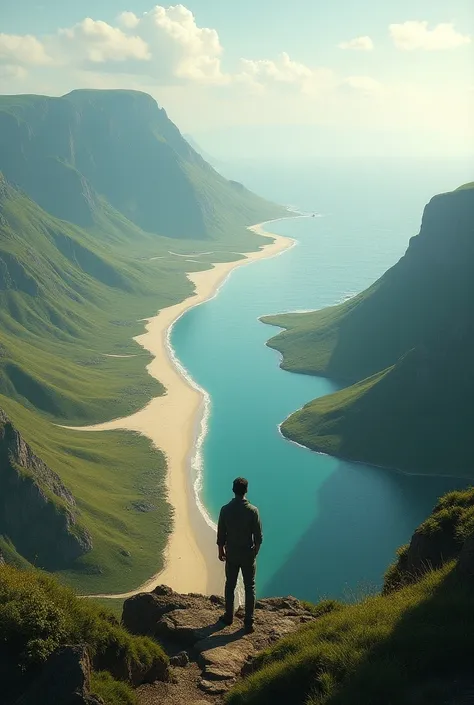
(331, 527)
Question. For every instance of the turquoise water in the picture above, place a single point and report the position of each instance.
(331, 527)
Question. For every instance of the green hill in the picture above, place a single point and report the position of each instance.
(82, 176)
(406, 345)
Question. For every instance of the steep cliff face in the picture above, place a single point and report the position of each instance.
(38, 514)
(407, 342)
(71, 154)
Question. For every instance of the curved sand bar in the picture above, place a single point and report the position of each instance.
(171, 422)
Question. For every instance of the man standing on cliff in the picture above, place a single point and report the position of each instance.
(239, 537)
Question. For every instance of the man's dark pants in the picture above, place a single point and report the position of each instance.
(247, 564)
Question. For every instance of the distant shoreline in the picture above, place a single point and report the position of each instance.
(176, 423)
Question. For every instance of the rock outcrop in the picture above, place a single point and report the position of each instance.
(206, 656)
(37, 512)
(446, 535)
(64, 680)
(117, 662)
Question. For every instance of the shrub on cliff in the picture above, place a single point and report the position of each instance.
(38, 616)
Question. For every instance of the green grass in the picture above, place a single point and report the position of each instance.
(111, 605)
(309, 340)
(38, 616)
(412, 647)
(11, 555)
(111, 691)
(321, 423)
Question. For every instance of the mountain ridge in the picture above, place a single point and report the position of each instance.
(69, 152)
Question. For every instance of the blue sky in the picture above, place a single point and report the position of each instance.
(381, 70)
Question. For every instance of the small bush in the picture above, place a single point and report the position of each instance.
(111, 691)
(37, 615)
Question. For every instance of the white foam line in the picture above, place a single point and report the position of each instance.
(192, 254)
(110, 355)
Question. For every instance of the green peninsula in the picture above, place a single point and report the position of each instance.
(403, 350)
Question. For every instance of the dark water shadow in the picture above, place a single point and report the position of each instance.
(362, 515)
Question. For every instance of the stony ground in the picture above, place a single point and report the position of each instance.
(206, 657)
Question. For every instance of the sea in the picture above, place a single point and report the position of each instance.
(331, 528)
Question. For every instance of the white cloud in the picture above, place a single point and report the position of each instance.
(164, 44)
(181, 48)
(283, 71)
(99, 42)
(412, 35)
(128, 20)
(358, 44)
(22, 50)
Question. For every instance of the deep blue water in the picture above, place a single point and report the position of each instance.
(331, 527)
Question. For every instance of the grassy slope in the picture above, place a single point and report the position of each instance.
(309, 340)
(69, 297)
(412, 647)
(407, 343)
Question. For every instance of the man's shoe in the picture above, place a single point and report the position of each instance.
(249, 628)
(225, 619)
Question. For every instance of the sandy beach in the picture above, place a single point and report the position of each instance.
(172, 423)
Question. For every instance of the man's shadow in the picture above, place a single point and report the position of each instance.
(212, 639)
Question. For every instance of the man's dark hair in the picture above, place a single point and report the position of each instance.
(240, 486)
